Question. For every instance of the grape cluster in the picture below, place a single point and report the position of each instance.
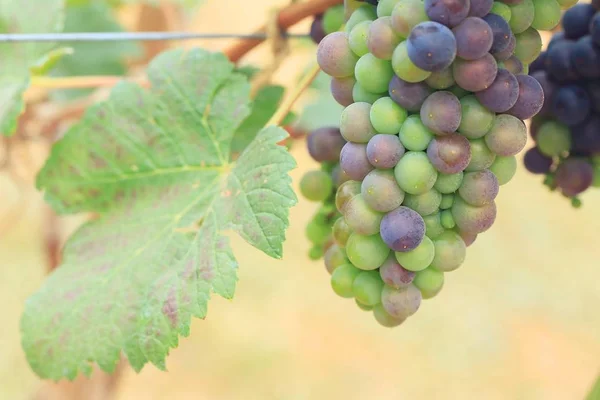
(324, 146)
(567, 129)
(435, 94)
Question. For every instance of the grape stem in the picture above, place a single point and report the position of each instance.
(289, 102)
(288, 16)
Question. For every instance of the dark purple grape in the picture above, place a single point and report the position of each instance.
(341, 90)
(409, 96)
(402, 229)
(585, 137)
(539, 64)
(431, 46)
(558, 62)
(480, 8)
(593, 89)
(595, 29)
(536, 162)
(556, 38)
(394, 275)
(325, 144)
(501, 31)
(317, 33)
(441, 113)
(585, 57)
(573, 176)
(513, 65)
(530, 100)
(475, 75)
(384, 151)
(508, 51)
(571, 104)
(547, 88)
(449, 154)
(447, 12)
(576, 20)
(474, 38)
(382, 39)
(502, 93)
(596, 4)
(354, 161)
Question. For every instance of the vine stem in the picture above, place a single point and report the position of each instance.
(288, 16)
(288, 103)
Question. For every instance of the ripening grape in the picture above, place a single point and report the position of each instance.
(573, 176)
(502, 94)
(401, 303)
(341, 90)
(450, 251)
(384, 151)
(440, 80)
(425, 203)
(473, 219)
(333, 18)
(335, 56)
(402, 229)
(381, 191)
(475, 75)
(441, 112)
(334, 258)
(479, 188)
(343, 278)
(406, 15)
(384, 318)
(529, 45)
(449, 154)
(501, 10)
(476, 119)
(530, 100)
(508, 51)
(395, 275)
(430, 282)
(341, 232)
(385, 7)
(500, 31)
(325, 144)
(345, 193)
(360, 217)
(382, 39)
(474, 38)
(316, 185)
(354, 161)
(507, 136)
(367, 288)
(447, 12)
(405, 68)
(363, 13)
(355, 123)
(408, 95)
(480, 8)
(366, 252)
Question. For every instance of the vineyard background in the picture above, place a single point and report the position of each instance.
(519, 320)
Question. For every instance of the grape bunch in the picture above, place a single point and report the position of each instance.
(435, 95)
(567, 129)
(324, 146)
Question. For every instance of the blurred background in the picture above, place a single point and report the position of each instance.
(518, 320)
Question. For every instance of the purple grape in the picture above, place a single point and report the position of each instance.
(501, 31)
(480, 8)
(585, 136)
(539, 64)
(585, 57)
(502, 93)
(325, 144)
(559, 63)
(507, 136)
(531, 98)
(479, 188)
(593, 89)
(354, 161)
(536, 162)
(447, 12)
(547, 88)
(402, 229)
(468, 238)
(409, 96)
(471, 219)
(382, 39)
(574, 176)
(571, 104)
(431, 46)
(401, 303)
(475, 75)
(441, 112)
(449, 154)
(341, 90)
(394, 275)
(508, 51)
(513, 65)
(384, 151)
(381, 191)
(335, 56)
(474, 38)
(576, 20)
(317, 33)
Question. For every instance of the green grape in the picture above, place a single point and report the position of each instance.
(458, 91)
(367, 288)
(433, 225)
(357, 39)
(316, 185)
(596, 181)
(373, 74)
(387, 116)
(345, 193)
(481, 156)
(401, 303)
(419, 258)
(547, 15)
(425, 203)
(414, 173)
(385, 319)
(316, 252)
(565, 4)
(334, 257)
(404, 67)
(450, 251)
(476, 120)
(366, 252)
(448, 183)
(529, 45)
(504, 168)
(363, 13)
(362, 306)
(430, 282)
(341, 232)
(355, 123)
(361, 218)
(502, 10)
(521, 16)
(318, 231)
(406, 14)
(553, 138)
(447, 219)
(385, 7)
(359, 94)
(414, 135)
(447, 201)
(525, 69)
(342, 280)
(333, 18)
(441, 79)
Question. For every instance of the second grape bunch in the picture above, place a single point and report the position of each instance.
(435, 95)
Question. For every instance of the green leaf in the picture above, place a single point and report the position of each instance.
(156, 163)
(97, 58)
(265, 104)
(595, 392)
(30, 16)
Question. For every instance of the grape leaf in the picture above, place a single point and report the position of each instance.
(25, 16)
(156, 163)
(98, 58)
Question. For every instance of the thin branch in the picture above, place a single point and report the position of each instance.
(82, 82)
